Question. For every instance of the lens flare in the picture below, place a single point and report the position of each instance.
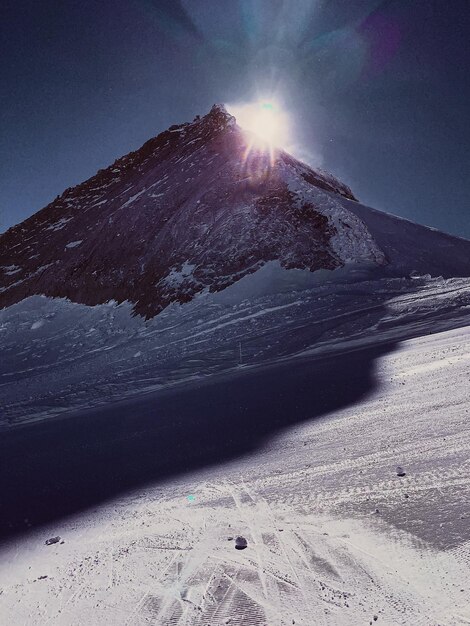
(266, 128)
(264, 120)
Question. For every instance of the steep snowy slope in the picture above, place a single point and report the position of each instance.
(409, 246)
(195, 209)
(58, 356)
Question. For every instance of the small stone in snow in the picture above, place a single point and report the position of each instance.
(400, 471)
(52, 540)
(241, 543)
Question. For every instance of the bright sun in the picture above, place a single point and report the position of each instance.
(264, 119)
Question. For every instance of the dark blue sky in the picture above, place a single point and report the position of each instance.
(379, 92)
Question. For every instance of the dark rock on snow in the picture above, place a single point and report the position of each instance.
(241, 543)
(52, 540)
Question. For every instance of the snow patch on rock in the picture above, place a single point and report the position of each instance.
(351, 239)
(177, 277)
(74, 244)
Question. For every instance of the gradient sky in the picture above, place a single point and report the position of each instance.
(378, 92)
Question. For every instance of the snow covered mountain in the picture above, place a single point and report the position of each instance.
(194, 209)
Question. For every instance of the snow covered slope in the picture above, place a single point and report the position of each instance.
(195, 209)
(334, 536)
(409, 246)
(58, 356)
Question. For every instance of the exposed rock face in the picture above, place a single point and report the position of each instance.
(194, 208)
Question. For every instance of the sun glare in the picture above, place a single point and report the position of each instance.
(265, 120)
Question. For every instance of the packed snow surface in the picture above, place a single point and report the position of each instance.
(334, 535)
(134, 453)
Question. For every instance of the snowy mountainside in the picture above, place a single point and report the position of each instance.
(409, 246)
(195, 209)
(59, 356)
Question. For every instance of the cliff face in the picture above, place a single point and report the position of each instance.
(193, 209)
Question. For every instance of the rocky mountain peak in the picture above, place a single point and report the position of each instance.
(219, 112)
(185, 213)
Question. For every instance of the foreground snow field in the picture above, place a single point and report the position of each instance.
(334, 535)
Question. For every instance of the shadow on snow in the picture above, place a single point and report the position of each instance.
(61, 467)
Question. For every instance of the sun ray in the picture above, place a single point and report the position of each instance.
(265, 122)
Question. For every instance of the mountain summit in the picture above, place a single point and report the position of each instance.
(195, 209)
